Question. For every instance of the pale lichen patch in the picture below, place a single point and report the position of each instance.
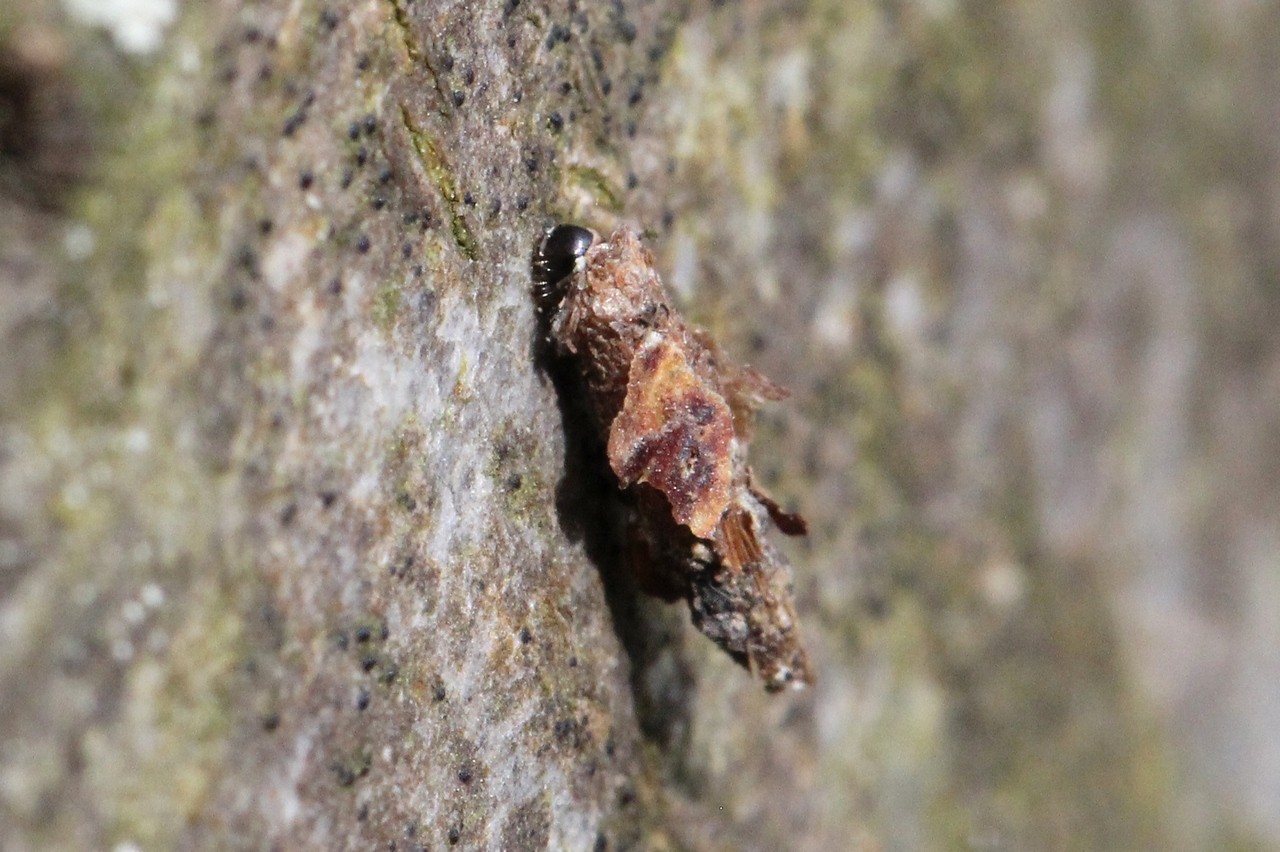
(137, 26)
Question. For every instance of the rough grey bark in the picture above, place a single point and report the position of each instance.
(300, 547)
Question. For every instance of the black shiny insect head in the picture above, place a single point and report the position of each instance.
(558, 255)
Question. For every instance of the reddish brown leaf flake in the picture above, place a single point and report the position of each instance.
(675, 432)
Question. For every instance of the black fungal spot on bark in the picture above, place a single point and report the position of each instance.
(294, 121)
(400, 568)
(346, 772)
(206, 118)
(247, 260)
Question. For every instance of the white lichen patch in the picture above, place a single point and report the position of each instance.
(136, 26)
(78, 241)
(904, 308)
(835, 320)
(285, 259)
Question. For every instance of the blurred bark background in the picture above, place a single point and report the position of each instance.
(300, 549)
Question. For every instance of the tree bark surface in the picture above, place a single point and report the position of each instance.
(304, 544)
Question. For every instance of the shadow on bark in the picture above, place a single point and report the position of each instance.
(589, 509)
